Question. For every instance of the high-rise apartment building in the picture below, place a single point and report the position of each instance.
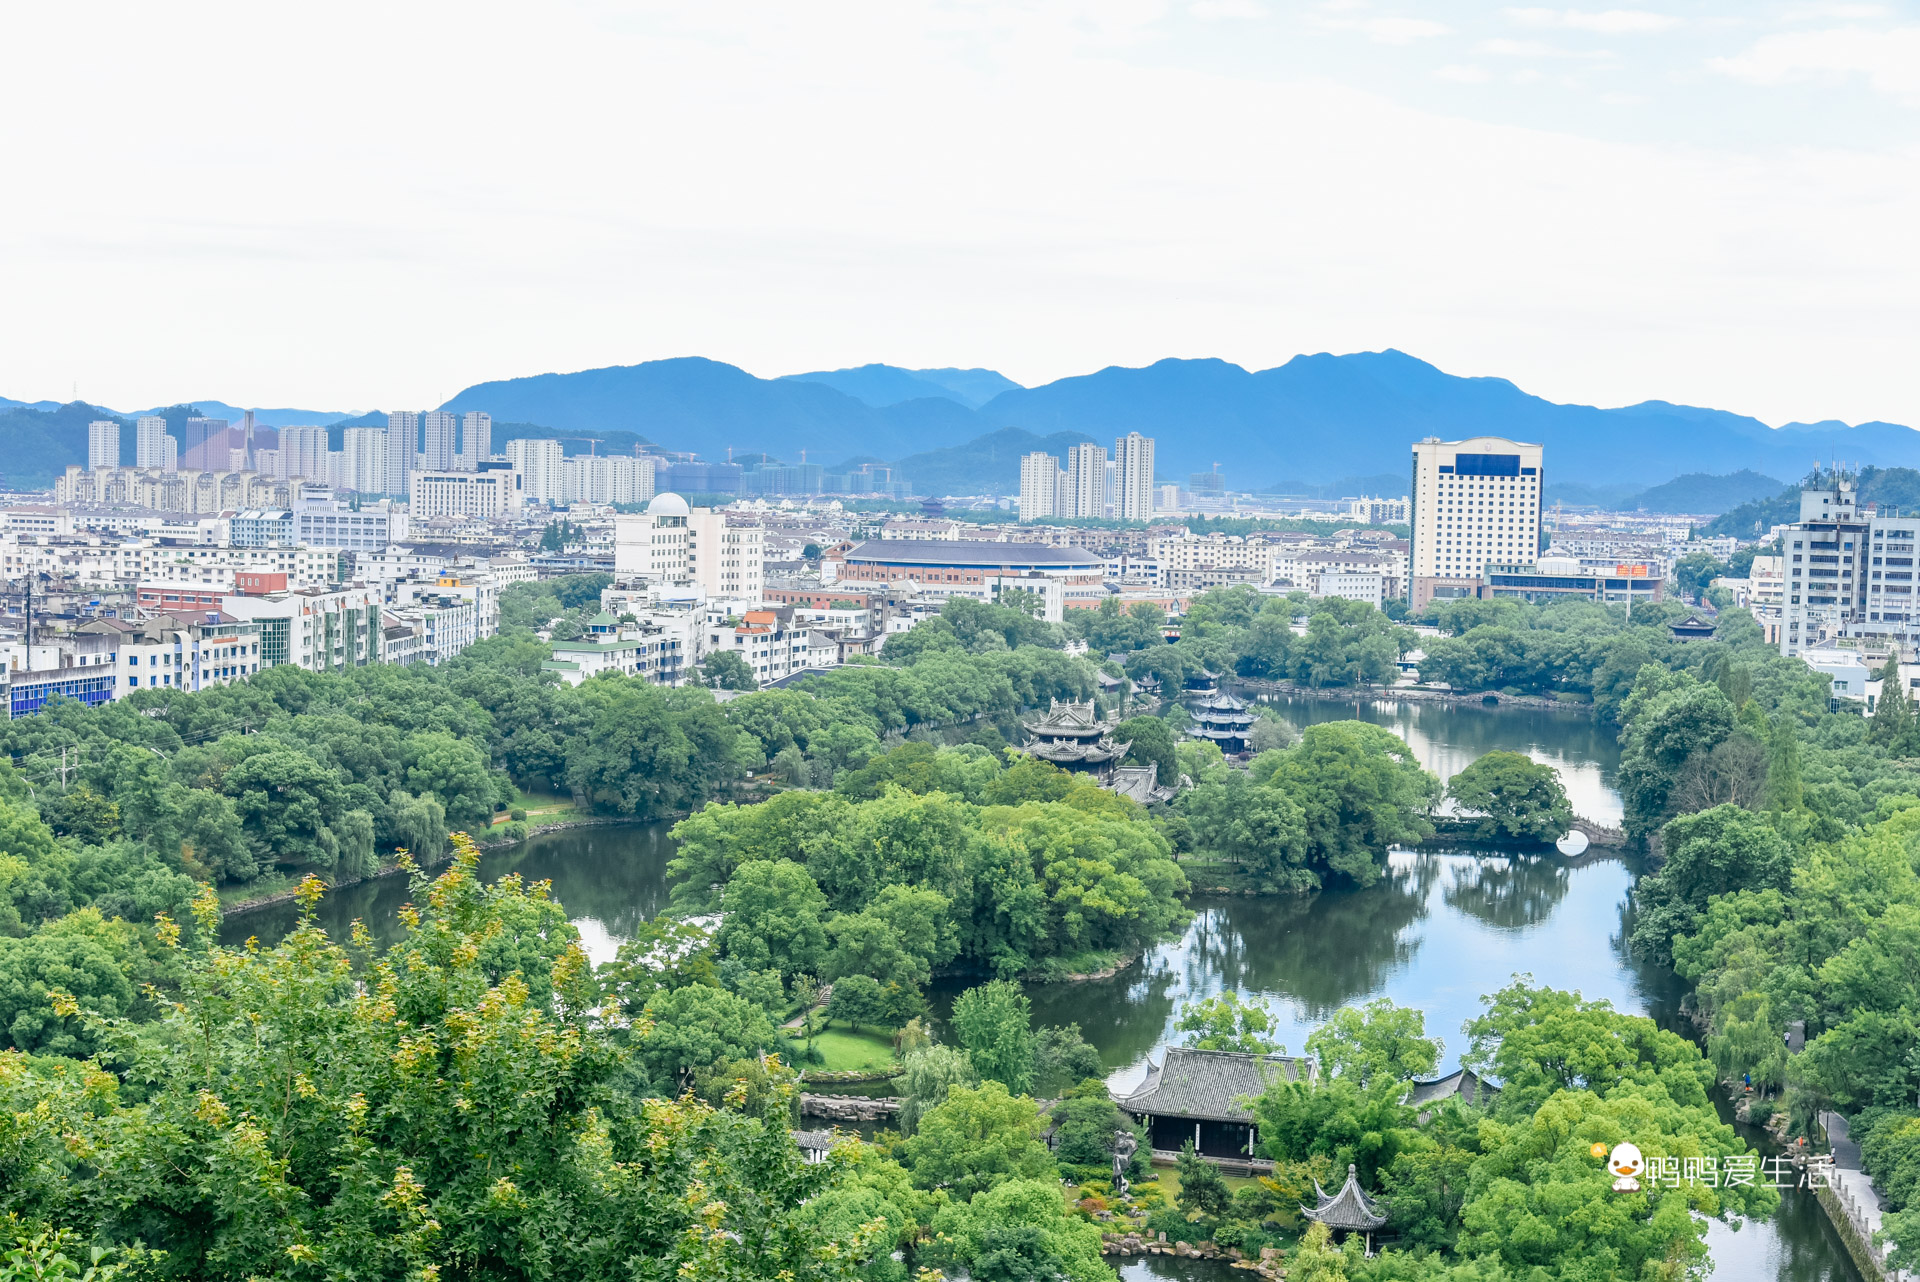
(1474, 503)
(363, 462)
(606, 478)
(103, 445)
(1133, 477)
(403, 446)
(152, 447)
(1086, 481)
(439, 440)
(542, 467)
(303, 453)
(1039, 485)
(476, 439)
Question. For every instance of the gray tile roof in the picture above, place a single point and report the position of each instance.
(1350, 1208)
(1462, 1083)
(1207, 1084)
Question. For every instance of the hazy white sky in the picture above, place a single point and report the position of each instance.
(358, 205)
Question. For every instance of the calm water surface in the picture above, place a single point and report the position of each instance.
(1439, 931)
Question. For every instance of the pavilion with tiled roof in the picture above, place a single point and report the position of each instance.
(1348, 1211)
(1205, 1097)
(1073, 737)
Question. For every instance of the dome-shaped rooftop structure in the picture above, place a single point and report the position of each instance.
(668, 504)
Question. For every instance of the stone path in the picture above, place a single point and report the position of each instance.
(1851, 1185)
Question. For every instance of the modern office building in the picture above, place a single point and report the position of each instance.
(206, 447)
(1133, 477)
(1474, 503)
(1040, 485)
(103, 445)
(542, 467)
(492, 491)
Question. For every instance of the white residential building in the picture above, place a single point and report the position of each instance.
(1040, 485)
(103, 445)
(727, 555)
(319, 629)
(363, 462)
(1086, 481)
(1474, 501)
(541, 464)
(606, 479)
(403, 446)
(152, 447)
(303, 453)
(1133, 477)
(769, 641)
(439, 441)
(476, 440)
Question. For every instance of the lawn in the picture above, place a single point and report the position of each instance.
(845, 1050)
(541, 807)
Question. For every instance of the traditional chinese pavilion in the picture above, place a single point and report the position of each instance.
(1073, 737)
(1203, 1096)
(1221, 719)
(1349, 1211)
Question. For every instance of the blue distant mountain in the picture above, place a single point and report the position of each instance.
(1312, 421)
(884, 385)
(691, 403)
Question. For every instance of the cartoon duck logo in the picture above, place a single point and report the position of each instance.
(1626, 1164)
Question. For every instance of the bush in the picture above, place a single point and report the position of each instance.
(514, 832)
(517, 815)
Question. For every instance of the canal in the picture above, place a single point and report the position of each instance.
(1440, 930)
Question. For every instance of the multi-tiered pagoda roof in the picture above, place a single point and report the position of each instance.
(1073, 737)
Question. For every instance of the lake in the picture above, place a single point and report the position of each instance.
(1440, 930)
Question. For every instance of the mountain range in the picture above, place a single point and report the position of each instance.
(1310, 422)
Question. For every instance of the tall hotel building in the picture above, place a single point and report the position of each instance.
(1475, 503)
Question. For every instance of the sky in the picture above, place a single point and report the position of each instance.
(358, 206)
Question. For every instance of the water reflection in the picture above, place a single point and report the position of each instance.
(1509, 893)
(1447, 739)
(1441, 929)
(611, 879)
(1438, 932)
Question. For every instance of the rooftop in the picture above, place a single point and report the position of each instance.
(959, 552)
(1209, 1084)
(1350, 1208)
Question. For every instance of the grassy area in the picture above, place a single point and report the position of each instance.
(541, 807)
(844, 1050)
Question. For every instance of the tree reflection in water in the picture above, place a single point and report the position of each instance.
(1509, 892)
